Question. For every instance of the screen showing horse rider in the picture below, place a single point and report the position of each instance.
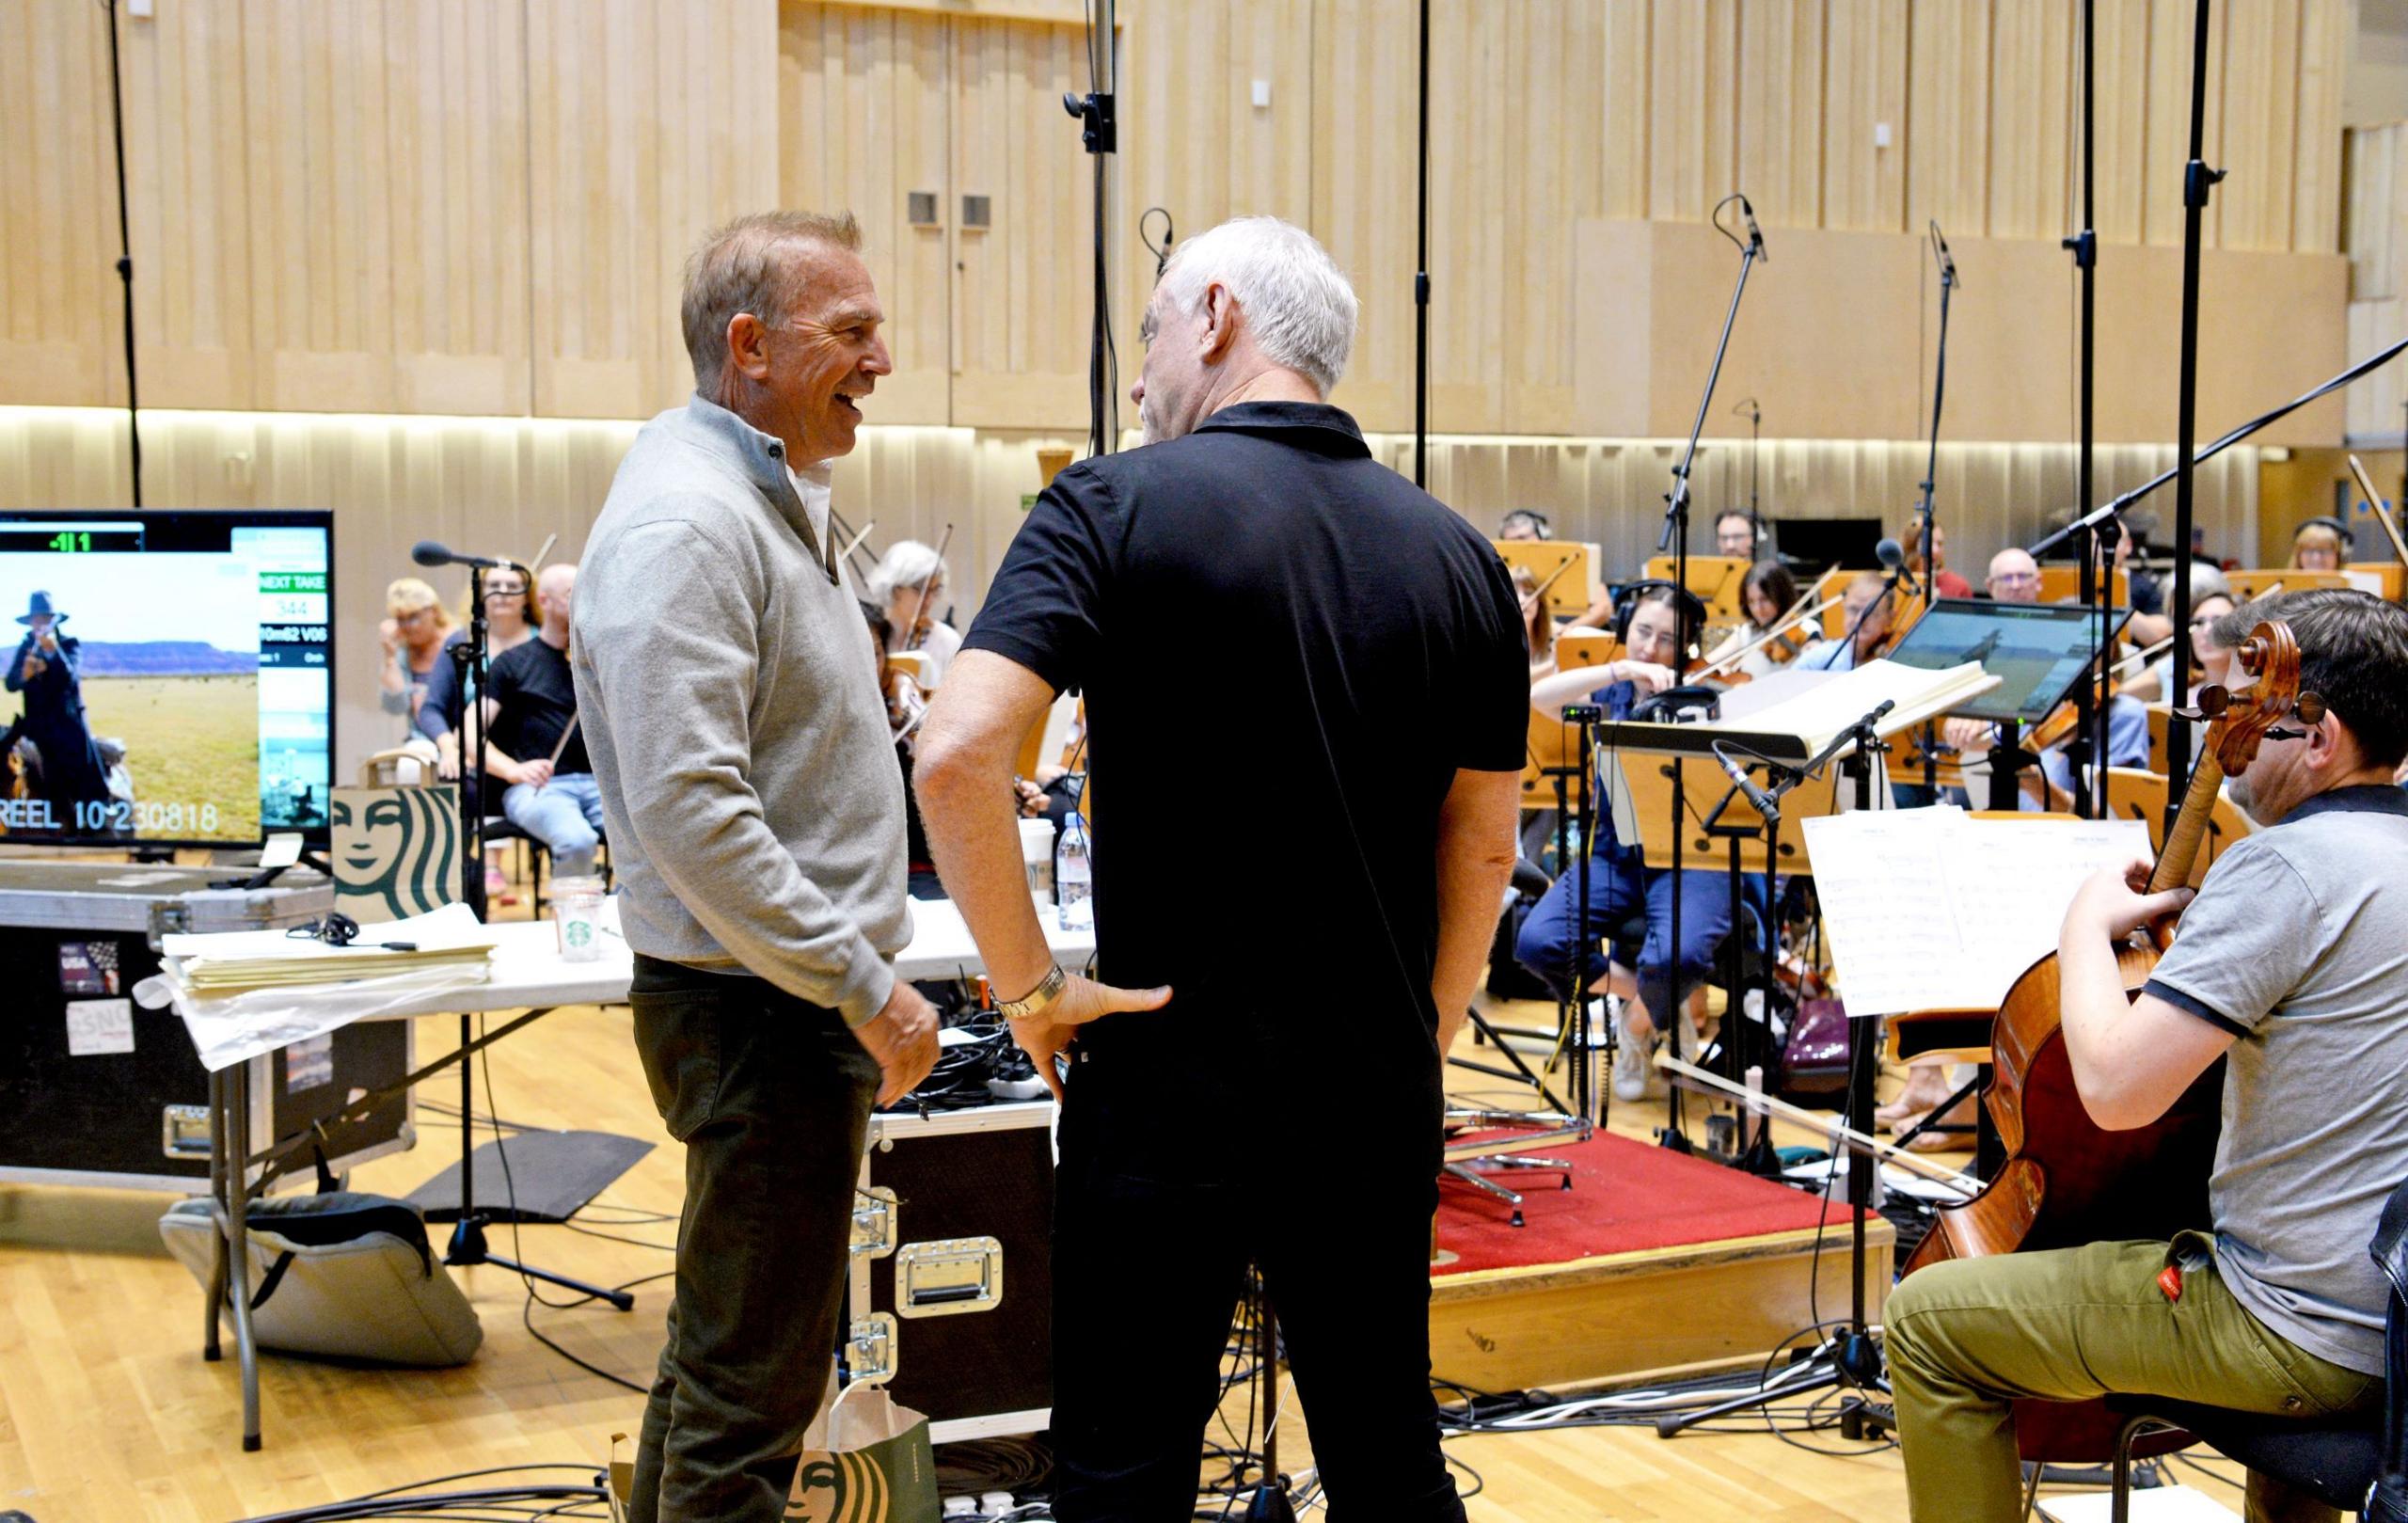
(170, 676)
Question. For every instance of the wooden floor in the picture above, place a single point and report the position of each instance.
(108, 1414)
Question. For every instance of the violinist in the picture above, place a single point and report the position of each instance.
(908, 584)
(1945, 582)
(1768, 592)
(2288, 965)
(1865, 608)
(2317, 546)
(1657, 632)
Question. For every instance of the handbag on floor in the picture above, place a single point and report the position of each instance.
(341, 1275)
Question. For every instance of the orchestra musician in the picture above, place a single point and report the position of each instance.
(1766, 592)
(2289, 966)
(1656, 638)
(2317, 546)
(1945, 582)
(1737, 533)
(1866, 608)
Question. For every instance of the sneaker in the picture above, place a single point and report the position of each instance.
(1636, 1076)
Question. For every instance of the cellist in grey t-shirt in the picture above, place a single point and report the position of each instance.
(2291, 963)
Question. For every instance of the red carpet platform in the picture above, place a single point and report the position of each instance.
(1653, 1261)
(1626, 1196)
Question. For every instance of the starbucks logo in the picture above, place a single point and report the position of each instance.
(578, 933)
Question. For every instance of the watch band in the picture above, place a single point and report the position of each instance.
(1039, 1000)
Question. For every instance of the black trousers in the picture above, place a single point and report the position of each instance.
(771, 1098)
(1146, 1276)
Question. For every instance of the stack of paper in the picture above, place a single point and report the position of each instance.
(1930, 909)
(1791, 715)
(450, 937)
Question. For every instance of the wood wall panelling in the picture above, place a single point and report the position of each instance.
(2028, 132)
(865, 120)
(59, 310)
(2328, 29)
(1693, 106)
(1782, 136)
(458, 126)
(1948, 59)
(1022, 305)
(187, 166)
(1865, 89)
(321, 206)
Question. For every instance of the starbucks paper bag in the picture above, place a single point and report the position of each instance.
(865, 1460)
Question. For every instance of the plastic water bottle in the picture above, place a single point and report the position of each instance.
(1074, 876)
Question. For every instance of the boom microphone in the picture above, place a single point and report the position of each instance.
(1755, 234)
(428, 553)
(1763, 804)
(1947, 260)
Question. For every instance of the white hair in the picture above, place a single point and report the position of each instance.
(906, 564)
(1298, 304)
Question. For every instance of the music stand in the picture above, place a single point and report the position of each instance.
(1639, 791)
(1572, 593)
(1716, 580)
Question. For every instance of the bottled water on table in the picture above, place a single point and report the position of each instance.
(1074, 876)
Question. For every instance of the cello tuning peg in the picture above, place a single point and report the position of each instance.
(2310, 708)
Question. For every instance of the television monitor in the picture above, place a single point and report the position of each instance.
(2036, 650)
(1808, 545)
(177, 690)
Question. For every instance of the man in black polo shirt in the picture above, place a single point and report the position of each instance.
(550, 792)
(1250, 595)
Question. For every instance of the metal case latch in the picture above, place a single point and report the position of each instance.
(950, 1277)
(169, 917)
(184, 1130)
(871, 1343)
(873, 1223)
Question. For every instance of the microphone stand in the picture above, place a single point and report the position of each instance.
(1930, 471)
(471, 659)
(1676, 538)
(2197, 179)
(1850, 1357)
(2083, 245)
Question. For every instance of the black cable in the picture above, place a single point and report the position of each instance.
(518, 1252)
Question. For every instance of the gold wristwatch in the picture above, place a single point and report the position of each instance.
(1039, 1000)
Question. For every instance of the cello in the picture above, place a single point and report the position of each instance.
(2066, 1180)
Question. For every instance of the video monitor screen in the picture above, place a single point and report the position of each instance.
(2036, 650)
(172, 677)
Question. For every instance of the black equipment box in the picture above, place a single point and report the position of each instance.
(95, 1090)
(951, 1298)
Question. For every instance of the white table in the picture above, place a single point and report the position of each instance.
(528, 976)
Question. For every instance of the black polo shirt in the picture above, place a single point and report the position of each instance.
(1287, 651)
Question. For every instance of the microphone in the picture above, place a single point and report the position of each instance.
(1755, 234)
(426, 552)
(1947, 260)
(1893, 561)
(1763, 804)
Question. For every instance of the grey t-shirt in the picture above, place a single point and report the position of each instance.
(2298, 945)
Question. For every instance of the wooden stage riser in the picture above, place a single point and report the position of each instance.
(1716, 1303)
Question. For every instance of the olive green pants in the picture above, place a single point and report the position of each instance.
(1965, 1337)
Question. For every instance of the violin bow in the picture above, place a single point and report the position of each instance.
(2382, 515)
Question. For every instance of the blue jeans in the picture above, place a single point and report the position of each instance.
(1618, 891)
(565, 814)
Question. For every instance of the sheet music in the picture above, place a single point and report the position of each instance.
(1886, 905)
(1929, 909)
(2012, 880)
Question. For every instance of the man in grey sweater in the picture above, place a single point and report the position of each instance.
(756, 815)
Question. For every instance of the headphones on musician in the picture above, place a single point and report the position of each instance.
(1688, 611)
(2349, 540)
(1759, 533)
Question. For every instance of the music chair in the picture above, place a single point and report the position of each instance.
(2357, 1463)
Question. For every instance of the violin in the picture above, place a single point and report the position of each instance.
(2066, 1180)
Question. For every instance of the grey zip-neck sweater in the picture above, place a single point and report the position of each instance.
(728, 693)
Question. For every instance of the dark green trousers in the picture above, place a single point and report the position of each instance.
(771, 1098)
(1967, 1336)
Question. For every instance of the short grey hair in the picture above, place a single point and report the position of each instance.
(1297, 302)
(906, 564)
(747, 266)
